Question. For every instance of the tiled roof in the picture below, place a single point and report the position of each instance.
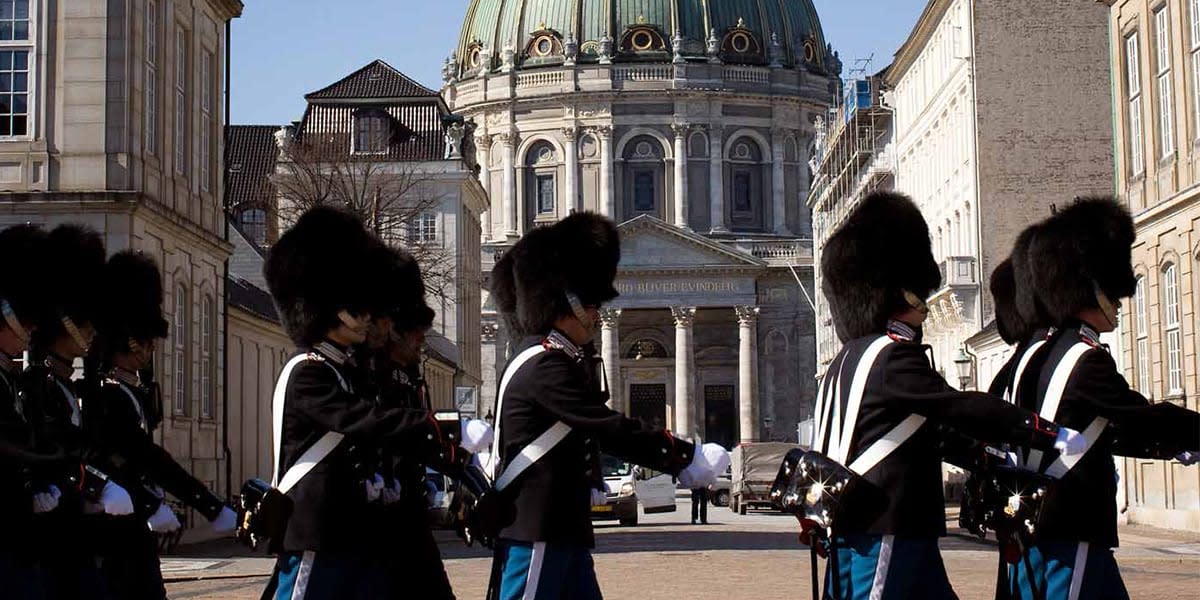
(247, 286)
(422, 126)
(252, 153)
(376, 80)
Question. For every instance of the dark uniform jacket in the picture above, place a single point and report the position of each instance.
(901, 382)
(21, 455)
(330, 505)
(553, 497)
(1003, 382)
(119, 417)
(1082, 506)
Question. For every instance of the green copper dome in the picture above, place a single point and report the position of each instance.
(547, 32)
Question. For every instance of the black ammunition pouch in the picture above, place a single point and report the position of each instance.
(820, 491)
(263, 514)
(1005, 500)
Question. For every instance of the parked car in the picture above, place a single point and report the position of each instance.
(439, 492)
(719, 491)
(626, 485)
(753, 470)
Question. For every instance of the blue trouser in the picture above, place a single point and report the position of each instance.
(324, 575)
(543, 571)
(1068, 571)
(888, 568)
(20, 578)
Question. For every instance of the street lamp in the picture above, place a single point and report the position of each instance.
(963, 363)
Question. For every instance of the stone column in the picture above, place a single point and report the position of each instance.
(610, 342)
(681, 184)
(572, 165)
(716, 179)
(778, 182)
(484, 158)
(747, 382)
(684, 370)
(607, 207)
(508, 205)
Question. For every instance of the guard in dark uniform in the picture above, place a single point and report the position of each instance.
(1021, 320)
(881, 402)
(120, 414)
(1082, 267)
(549, 288)
(322, 274)
(22, 304)
(75, 266)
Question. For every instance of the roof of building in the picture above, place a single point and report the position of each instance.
(376, 80)
(252, 152)
(247, 286)
(494, 25)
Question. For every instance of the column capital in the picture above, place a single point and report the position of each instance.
(603, 131)
(570, 134)
(680, 129)
(747, 315)
(684, 315)
(610, 317)
(488, 330)
(505, 138)
(483, 142)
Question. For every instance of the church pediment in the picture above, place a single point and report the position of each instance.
(649, 244)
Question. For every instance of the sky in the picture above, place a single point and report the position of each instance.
(283, 49)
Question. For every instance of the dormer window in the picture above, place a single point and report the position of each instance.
(372, 132)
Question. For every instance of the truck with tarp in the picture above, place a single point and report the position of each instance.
(754, 467)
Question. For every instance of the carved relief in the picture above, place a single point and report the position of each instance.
(588, 111)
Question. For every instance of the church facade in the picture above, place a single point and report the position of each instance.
(691, 125)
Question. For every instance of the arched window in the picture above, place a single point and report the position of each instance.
(208, 342)
(646, 348)
(1142, 333)
(1172, 332)
(179, 350)
(253, 222)
(541, 184)
(746, 188)
(644, 177)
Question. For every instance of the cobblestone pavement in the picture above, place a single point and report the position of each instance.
(751, 557)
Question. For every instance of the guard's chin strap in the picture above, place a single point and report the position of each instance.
(1106, 306)
(73, 331)
(581, 314)
(13, 323)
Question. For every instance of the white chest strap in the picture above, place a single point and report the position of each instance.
(536, 449)
(137, 407)
(1010, 393)
(315, 453)
(1049, 411)
(72, 403)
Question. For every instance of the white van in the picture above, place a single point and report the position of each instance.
(628, 485)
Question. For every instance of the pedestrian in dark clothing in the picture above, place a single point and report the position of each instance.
(700, 505)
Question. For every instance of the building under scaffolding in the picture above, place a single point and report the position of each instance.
(852, 157)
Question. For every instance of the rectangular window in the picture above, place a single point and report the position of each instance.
(16, 52)
(1166, 123)
(1172, 331)
(1195, 49)
(423, 229)
(151, 83)
(181, 71)
(545, 194)
(741, 192)
(643, 191)
(371, 133)
(1134, 88)
(207, 341)
(206, 120)
(1143, 339)
(179, 352)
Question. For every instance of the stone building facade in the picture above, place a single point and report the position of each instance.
(1155, 53)
(113, 118)
(690, 124)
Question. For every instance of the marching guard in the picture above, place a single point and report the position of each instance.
(1081, 266)
(879, 407)
(76, 259)
(551, 412)
(322, 274)
(120, 411)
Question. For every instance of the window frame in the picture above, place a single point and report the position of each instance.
(1194, 49)
(249, 229)
(1133, 90)
(1141, 334)
(29, 47)
(543, 181)
(424, 229)
(207, 68)
(150, 78)
(373, 117)
(1173, 382)
(1163, 85)
(182, 71)
(179, 352)
(207, 357)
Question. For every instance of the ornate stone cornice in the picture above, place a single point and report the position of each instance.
(684, 316)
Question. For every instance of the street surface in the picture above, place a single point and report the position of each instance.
(734, 557)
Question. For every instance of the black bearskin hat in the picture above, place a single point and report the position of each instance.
(24, 279)
(1085, 247)
(578, 255)
(319, 268)
(1009, 323)
(880, 252)
(401, 291)
(75, 262)
(1026, 301)
(130, 300)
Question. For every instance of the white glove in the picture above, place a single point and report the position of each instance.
(1188, 458)
(163, 520)
(374, 487)
(44, 502)
(225, 522)
(476, 435)
(710, 462)
(1070, 442)
(391, 494)
(115, 500)
(599, 498)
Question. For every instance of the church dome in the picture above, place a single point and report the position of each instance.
(553, 32)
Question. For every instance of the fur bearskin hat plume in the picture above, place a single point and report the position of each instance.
(75, 262)
(1027, 303)
(24, 279)
(880, 252)
(578, 255)
(318, 268)
(1084, 248)
(131, 300)
(401, 290)
(1009, 324)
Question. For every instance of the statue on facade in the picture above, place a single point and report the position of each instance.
(570, 49)
(677, 48)
(284, 137)
(606, 49)
(454, 139)
(714, 46)
(507, 59)
(775, 51)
